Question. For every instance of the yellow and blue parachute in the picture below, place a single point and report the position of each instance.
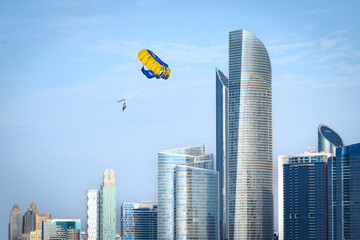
(156, 67)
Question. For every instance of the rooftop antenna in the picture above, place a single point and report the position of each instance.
(311, 149)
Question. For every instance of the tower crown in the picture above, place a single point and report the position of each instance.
(109, 176)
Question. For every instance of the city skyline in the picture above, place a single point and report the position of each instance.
(67, 63)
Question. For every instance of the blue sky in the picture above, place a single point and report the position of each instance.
(65, 63)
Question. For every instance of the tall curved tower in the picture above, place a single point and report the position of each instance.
(328, 140)
(250, 146)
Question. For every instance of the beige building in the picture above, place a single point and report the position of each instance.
(73, 234)
(33, 235)
(39, 218)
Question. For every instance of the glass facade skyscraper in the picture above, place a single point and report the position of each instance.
(196, 200)
(305, 196)
(67, 229)
(92, 215)
(15, 225)
(187, 194)
(107, 204)
(328, 140)
(222, 101)
(29, 218)
(127, 221)
(249, 173)
(138, 221)
(344, 194)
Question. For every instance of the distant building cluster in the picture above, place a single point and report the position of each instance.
(232, 197)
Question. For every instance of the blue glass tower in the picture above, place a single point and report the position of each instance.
(344, 197)
(69, 229)
(187, 194)
(305, 196)
(108, 206)
(138, 221)
(222, 100)
(196, 199)
(249, 164)
(127, 221)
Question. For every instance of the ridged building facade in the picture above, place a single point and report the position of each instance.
(248, 171)
(244, 140)
(92, 217)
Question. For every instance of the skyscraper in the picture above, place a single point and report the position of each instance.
(15, 225)
(67, 229)
(305, 196)
(29, 218)
(138, 221)
(92, 215)
(187, 194)
(222, 101)
(328, 140)
(249, 163)
(127, 221)
(344, 193)
(108, 206)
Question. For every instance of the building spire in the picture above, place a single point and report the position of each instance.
(33, 207)
(15, 208)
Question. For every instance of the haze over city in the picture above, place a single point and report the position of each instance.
(65, 64)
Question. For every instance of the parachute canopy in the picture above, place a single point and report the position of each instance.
(156, 67)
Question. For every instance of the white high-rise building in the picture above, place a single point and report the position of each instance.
(92, 215)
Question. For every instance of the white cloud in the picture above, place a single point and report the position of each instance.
(309, 27)
(77, 21)
(339, 32)
(73, 3)
(114, 46)
(328, 43)
(314, 12)
(148, 2)
(180, 53)
(326, 57)
(290, 46)
(321, 59)
(288, 59)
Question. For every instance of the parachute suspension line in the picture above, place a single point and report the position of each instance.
(135, 89)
